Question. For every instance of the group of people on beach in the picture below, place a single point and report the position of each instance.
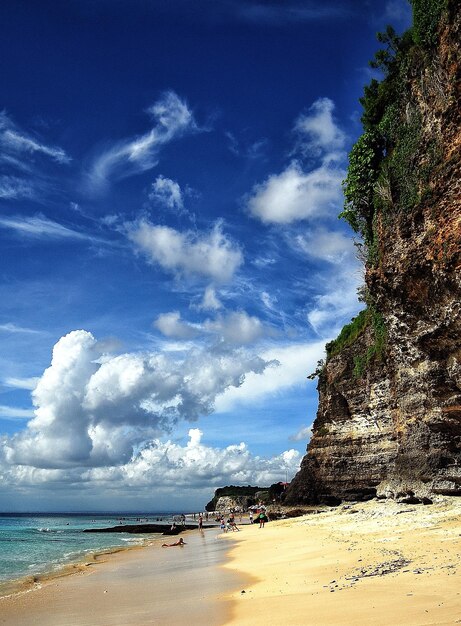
(225, 525)
(230, 524)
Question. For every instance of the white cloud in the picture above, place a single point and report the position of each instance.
(12, 412)
(21, 383)
(167, 192)
(211, 255)
(210, 300)
(317, 131)
(39, 226)
(234, 328)
(14, 328)
(172, 119)
(197, 465)
(19, 143)
(237, 327)
(264, 261)
(295, 362)
(92, 409)
(167, 467)
(303, 434)
(337, 283)
(13, 187)
(297, 195)
(268, 300)
(337, 305)
(171, 325)
(15, 141)
(326, 245)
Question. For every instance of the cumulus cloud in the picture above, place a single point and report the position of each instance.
(167, 192)
(196, 465)
(172, 118)
(294, 362)
(208, 254)
(300, 193)
(297, 195)
(317, 130)
(171, 325)
(92, 409)
(236, 327)
(166, 466)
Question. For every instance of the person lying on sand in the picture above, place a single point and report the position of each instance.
(180, 542)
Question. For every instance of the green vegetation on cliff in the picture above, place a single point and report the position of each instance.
(367, 319)
(385, 173)
(393, 161)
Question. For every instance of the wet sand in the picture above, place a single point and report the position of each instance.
(141, 586)
(375, 563)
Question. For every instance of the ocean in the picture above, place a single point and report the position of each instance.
(37, 543)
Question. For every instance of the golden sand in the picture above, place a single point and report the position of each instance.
(370, 564)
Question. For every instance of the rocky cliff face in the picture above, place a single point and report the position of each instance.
(389, 420)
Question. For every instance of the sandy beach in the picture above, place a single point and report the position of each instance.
(379, 563)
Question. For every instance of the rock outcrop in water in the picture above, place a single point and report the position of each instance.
(389, 417)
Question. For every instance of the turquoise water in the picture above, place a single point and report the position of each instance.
(42, 543)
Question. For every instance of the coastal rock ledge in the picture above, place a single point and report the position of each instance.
(389, 417)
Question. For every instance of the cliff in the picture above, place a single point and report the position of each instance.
(389, 417)
(233, 497)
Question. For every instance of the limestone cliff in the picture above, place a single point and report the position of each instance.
(389, 417)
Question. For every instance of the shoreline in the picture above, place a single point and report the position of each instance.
(136, 585)
(377, 562)
(82, 560)
(29, 582)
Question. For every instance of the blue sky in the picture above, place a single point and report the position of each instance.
(172, 261)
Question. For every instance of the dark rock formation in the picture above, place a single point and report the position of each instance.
(164, 529)
(391, 426)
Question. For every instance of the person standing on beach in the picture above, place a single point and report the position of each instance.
(233, 525)
(200, 522)
(251, 517)
(262, 519)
